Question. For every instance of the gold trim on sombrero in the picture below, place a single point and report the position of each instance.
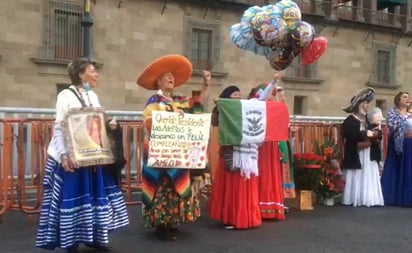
(179, 65)
(366, 94)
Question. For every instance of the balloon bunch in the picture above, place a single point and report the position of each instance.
(277, 32)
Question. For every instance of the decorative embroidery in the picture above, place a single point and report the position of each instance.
(397, 123)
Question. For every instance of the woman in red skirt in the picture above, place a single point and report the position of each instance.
(270, 172)
(234, 200)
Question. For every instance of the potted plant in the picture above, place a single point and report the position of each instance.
(307, 175)
(331, 184)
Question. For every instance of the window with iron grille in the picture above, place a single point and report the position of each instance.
(383, 61)
(63, 30)
(202, 48)
(384, 65)
(299, 70)
(203, 44)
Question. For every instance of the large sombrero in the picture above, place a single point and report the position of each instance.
(366, 94)
(179, 65)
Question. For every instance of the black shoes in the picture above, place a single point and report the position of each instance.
(73, 249)
(166, 233)
(100, 248)
(172, 229)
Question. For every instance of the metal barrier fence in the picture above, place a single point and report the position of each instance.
(23, 154)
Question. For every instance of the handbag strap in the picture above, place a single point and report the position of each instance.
(78, 97)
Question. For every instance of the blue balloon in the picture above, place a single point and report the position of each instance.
(274, 11)
(246, 42)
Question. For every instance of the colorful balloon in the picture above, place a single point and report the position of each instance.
(274, 31)
(282, 57)
(236, 36)
(303, 35)
(268, 31)
(273, 11)
(249, 14)
(314, 51)
(247, 43)
(290, 13)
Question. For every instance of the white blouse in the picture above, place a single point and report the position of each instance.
(408, 125)
(65, 101)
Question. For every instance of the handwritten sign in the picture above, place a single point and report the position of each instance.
(178, 141)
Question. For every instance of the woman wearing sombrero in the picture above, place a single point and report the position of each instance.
(362, 182)
(167, 192)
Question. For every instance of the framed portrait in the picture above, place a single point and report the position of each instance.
(87, 141)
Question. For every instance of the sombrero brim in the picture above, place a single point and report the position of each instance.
(179, 65)
(366, 94)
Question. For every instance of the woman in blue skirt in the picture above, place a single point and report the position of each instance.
(80, 205)
(397, 172)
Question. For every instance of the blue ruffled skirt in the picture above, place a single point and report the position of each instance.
(397, 175)
(79, 207)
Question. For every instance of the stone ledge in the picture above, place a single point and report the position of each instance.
(46, 61)
(302, 80)
(198, 72)
(390, 86)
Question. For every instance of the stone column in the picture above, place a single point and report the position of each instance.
(360, 11)
(407, 11)
(397, 17)
(331, 12)
(374, 9)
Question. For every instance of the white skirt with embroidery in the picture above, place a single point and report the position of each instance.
(363, 187)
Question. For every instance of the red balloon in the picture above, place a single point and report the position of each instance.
(314, 51)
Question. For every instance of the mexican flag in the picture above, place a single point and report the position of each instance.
(252, 121)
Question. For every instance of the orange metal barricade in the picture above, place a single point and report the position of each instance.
(33, 138)
(133, 148)
(5, 164)
(23, 154)
(7, 181)
(305, 137)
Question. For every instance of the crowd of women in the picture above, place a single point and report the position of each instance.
(82, 205)
(362, 132)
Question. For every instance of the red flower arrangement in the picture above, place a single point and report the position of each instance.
(331, 183)
(304, 159)
(319, 173)
(308, 170)
(329, 149)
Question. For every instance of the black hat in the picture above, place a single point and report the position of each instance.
(228, 91)
(367, 94)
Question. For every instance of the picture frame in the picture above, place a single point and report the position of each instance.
(86, 137)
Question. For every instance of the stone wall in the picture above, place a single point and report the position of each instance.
(127, 38)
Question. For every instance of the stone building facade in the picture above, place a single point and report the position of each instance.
(366, 46)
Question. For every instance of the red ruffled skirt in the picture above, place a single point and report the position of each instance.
(270, 182)
(234, 199)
